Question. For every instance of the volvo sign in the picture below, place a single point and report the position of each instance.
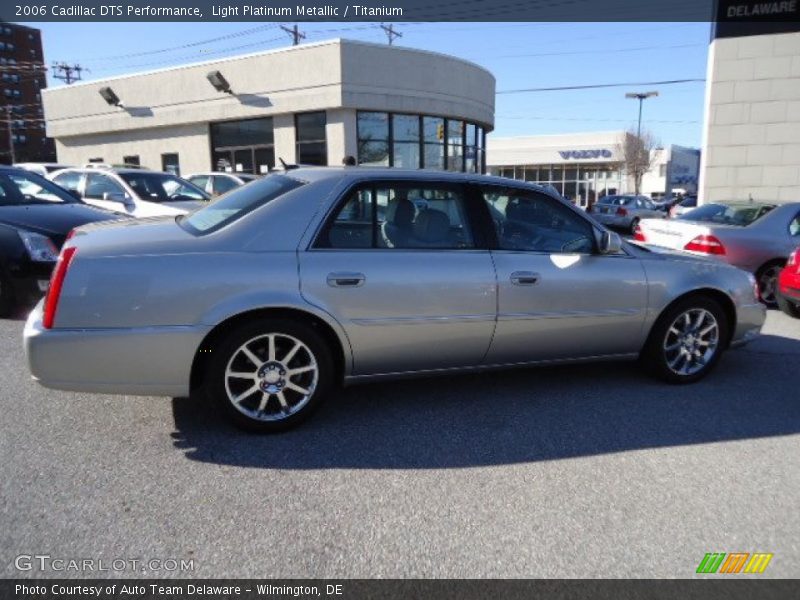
(583, 154)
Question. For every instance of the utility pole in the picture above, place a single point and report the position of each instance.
(67, 73)
(296, 34)
(391, 33)
(10, 135)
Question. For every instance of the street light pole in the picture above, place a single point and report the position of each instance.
(641, 97)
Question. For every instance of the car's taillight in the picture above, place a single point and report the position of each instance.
(638, 234)
(707, 244)
(621, 212)
(56, 283)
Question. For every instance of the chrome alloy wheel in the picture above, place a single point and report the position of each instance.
(271, 377)
(691, 341)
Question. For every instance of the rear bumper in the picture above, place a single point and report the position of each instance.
(750, 318)
(151, 361)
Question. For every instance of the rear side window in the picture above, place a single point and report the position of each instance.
(400, 217)
(238, 203)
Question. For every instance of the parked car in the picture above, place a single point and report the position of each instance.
(134, 192)
(753, 236)
(788, 292)
(268, 297)
(216, 183)
(41, 168)
(35, 218)
(685, 205)
(624, 212)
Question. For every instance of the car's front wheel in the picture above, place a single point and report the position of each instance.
(687, 340)
(270, 374)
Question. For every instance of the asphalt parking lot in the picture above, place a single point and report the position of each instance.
(589, 471)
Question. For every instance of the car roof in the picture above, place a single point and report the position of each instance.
(311, 174)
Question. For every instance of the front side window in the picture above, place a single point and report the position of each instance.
(223, 184)
(98, 184)
(533, 222)
(70, 180)
(400, 216)
(200, 181)
(312, 146)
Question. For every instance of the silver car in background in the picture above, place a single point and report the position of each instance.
(216, 183)
(625, 211)
(754, 236)
(269, 297)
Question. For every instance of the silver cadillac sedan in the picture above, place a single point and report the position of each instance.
(272, 295)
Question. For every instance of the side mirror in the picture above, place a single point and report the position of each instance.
(115, 197)
(610, 243)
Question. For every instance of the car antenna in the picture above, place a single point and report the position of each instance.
(287, 167)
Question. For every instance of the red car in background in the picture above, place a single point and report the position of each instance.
(788, 292)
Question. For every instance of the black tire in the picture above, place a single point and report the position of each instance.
(767, 278)
(249, 415)
(788, 307)
(6, 296)
(656, 358)
(634, 225)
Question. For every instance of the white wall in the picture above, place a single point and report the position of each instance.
(752, 131)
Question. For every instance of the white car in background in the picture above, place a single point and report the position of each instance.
(135, 192)
(217, 183)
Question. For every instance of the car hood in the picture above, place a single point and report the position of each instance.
(53, 220)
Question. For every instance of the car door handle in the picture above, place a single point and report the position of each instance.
(524, 278)
(346, 279)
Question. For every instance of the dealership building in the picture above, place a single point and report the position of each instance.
(585, 166)
(308, 104)
(751, 144)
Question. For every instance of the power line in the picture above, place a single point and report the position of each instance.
(391, 34)
(599, 86)
(67, 73)
(295, 34)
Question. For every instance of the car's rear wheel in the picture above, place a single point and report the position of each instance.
(687, 340)
(788, 307)
(767, 278)
(270, 375)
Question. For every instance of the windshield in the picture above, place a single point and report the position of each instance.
(236, 204)
(162, 187)
(727, 214)
(29, 188)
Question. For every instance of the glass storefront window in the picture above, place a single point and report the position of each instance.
(373, 126)
(406, 155)
(405, 128)
(312, 147)
(248, 132)
(433, 129)
(373, 154)
(434, 156)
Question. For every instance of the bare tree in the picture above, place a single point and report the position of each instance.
(640, 154)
